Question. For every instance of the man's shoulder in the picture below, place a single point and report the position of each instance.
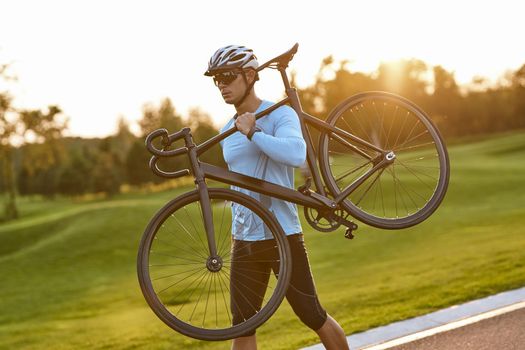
(287, 110)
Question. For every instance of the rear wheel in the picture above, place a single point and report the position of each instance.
(193, 292)
(407, 190)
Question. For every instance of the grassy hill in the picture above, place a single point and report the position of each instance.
(69, 280)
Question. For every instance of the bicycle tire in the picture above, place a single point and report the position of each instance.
(154, 244)
(381, 118)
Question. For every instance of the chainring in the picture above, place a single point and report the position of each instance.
(322, 221)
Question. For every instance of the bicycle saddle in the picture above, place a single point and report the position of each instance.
(281, 60)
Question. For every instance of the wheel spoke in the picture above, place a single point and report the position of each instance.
(196, 231)
(378, 174)
(189, 234)
(191, 294)
(176, 274)
(408, 193)
(414, 147)
(182, 280)
(350, 172)
(400, 129)
(381, 129)
(419, 172)
(358, 122)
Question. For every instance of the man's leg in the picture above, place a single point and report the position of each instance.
(302, 296)
(248, 282)
(245, 343)
(332, 335)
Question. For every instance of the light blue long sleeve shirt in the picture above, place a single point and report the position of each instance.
(271, 155)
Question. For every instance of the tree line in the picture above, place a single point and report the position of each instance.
(37, 159)
(457, 110)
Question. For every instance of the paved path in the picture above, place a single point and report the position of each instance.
(402, 332)
(503, 332)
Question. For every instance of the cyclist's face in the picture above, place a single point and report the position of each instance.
(232, 86)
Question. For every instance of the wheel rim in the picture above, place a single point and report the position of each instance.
(190, 290)
(410, 187)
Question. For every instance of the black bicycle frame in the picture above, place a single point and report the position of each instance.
(314, 199)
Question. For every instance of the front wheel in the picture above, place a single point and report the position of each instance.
(407, 190)
(194, 293)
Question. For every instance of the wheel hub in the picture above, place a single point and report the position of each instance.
(390, 156)
(214, 263)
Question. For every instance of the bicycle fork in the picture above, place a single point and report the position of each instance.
(214, 262)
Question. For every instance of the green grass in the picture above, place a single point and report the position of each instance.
(69, 280)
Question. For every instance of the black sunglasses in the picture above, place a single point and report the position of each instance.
(225, 77)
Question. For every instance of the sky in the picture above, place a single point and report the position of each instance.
(101, 60)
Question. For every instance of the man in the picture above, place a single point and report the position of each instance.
(268, 149)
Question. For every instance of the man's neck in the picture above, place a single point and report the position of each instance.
(249, 105)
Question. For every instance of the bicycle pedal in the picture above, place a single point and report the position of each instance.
(349, 231)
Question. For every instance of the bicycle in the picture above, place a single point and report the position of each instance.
(380, 160)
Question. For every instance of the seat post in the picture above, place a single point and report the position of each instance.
(284, 76)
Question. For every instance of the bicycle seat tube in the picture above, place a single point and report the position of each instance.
(295, 102)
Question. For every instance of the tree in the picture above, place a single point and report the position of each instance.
(76, 178)
(121, 142)
(43, 129)
(446, 102)
(137, 170)
(107, 173)
(202, 129)
(164, 116)
(518, 86)
(7, 130)
(136, 164)
(20, 126)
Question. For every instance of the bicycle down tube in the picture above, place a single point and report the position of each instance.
(264, 187)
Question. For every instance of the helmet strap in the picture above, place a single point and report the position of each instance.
(248, 89)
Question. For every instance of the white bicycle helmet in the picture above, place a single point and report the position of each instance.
(231, 57)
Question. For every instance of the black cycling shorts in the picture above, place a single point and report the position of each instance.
(249, 279)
